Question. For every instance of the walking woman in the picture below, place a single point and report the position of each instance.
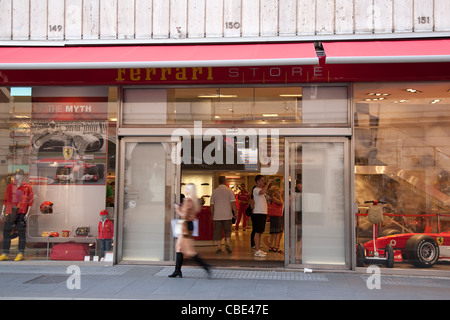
(185, 247)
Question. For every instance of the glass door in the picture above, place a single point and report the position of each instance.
(318, 218)
(149, 184)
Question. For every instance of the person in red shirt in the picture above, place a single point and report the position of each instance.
(243, 198)
(275, 208)
(16, 208)
(105, 232)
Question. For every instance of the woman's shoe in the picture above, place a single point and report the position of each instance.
(178, 264)
(176, 273)
(205, 266)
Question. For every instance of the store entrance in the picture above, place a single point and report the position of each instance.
(311, 174)
(242, 230)
(238, 159)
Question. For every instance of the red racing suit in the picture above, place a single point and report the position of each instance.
(20, 197)
(106, 230)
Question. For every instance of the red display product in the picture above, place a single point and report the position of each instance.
(69, 251)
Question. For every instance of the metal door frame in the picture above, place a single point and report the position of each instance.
(289, 259)
(121, 185)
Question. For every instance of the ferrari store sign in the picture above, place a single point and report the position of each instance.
(321, 73)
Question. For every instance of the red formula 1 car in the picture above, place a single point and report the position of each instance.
(79, 170)
(421, 249)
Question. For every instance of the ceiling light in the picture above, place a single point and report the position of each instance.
(435, 101)
(374, 99)
(378, 94)
(219, 96)
(413, 90)
(270, 115)
(291, 95)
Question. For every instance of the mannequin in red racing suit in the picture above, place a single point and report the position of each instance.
(16, 207)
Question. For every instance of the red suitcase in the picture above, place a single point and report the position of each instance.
(69, 251)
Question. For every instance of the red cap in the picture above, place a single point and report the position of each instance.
(103, 213)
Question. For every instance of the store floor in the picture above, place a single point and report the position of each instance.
(243, 255)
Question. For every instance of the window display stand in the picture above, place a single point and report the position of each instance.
(53, 239)
(87, 239)
(374, 255)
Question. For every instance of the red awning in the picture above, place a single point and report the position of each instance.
(112, 57)
(401, 51)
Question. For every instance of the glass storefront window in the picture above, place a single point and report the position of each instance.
(402, 158)
(237, 106)
(57, 168)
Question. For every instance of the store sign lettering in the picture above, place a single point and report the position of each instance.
(271, 72)
(69, 110)
(61, 108)
(275, 74)
(165, 74)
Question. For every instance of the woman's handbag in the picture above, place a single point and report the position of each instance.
(177, 227)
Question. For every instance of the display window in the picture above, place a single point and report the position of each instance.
(57, 169)
(281, 106)
(402, 174)
(234, 134)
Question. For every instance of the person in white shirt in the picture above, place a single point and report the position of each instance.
(260, 211)
(223, 209)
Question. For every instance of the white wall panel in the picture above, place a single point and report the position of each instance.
(161, 18)
(344, 19)
(441, 15)
(363, 13)
(250, 18)
(125, 19)
(73, 19)
(196, 19)
(382, 19)
(144, 19)
(178, 19)
(108, 19)
(56, 19)
(214, 18)
(287, 24)
(21, 19)
(403, 14)
(325, 17)
(423, 13)
(5, 19)
(38, 20)
(269, 18)
(306, 17)
(232, 18)
(62, 20)
(91, 17)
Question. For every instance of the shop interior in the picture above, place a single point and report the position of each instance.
(240, 177)
(242, 253)
(402, 159)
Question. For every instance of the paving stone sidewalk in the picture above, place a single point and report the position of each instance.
(151, 283)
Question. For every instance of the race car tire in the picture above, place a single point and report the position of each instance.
(422, 250)
(360, 256)
(389, 252)
(93, 171)
(100, 170)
